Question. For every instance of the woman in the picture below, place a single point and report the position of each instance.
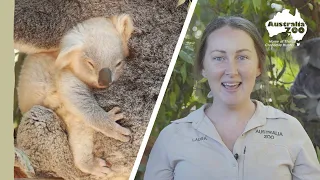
(234, 137)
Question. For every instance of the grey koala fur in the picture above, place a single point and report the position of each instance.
(41, 23)
(307, 83)
(41, 134)
(308, 52)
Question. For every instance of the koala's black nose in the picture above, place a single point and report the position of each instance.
(105, 77)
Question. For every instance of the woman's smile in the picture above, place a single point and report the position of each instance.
(231, 86)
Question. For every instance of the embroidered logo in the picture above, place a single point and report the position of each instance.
(199, 139)
(268, 134)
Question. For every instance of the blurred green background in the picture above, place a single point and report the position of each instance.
(185, 94)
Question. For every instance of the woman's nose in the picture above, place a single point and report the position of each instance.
(231, 68)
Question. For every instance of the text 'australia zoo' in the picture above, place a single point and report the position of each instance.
(294, 26)
(269, 134)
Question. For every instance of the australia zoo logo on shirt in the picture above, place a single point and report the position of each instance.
(269, 134)
(284, 22)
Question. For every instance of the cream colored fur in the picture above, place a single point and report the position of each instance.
(91, 56)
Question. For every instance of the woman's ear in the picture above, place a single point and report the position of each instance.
(258, 73)
(203, 73)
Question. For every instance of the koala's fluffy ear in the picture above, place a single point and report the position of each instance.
(301, 55)
(124, 26)
(67, 56)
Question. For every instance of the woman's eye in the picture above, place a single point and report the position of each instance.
(242, 57)
(218, 58)
(119, 63)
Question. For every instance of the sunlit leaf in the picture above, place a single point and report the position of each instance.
(283, 98)
(310, 6)
(311, 24)
(246, 6)
(184, 56)
(256, 4)
(183, 72)
(203, 80)
(176, 88)
(173, 98)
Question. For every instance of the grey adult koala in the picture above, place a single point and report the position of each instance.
(41, 134)
(307, 84)
(308, 78)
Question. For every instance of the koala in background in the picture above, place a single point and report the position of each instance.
(308, 52)
(308, 78)
(91, 56)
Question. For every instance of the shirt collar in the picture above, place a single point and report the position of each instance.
(259, 117)
(203, 124)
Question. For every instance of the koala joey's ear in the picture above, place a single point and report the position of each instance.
(67, 56)
(124, 25)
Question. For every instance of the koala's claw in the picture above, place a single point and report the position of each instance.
(115, 114)
(116, 131)
(101, 169)
(104, 163)
(115, 110)
(122, 138)
(120, 133)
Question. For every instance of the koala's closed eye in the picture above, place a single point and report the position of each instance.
(119, 63)
(91, 64)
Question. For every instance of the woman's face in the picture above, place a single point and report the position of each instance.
(231, 65)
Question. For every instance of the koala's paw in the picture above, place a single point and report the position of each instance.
(114, 130)
(98, 167)
(115, 114)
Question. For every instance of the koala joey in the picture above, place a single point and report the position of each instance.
(91, 56)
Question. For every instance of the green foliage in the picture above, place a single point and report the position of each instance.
(185, 93)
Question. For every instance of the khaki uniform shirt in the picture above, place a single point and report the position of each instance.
(273, 146)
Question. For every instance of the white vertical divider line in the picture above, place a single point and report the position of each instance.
(163, 89)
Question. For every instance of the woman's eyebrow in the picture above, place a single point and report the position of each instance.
(217, 50)
(222, 51)
(241, 50)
